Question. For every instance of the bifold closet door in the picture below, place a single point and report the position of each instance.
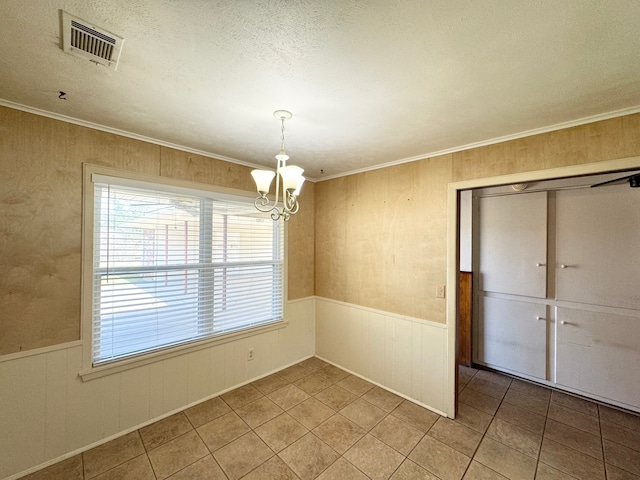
(599, 354)
(513, 336)
(598, 246)
(513, 244)
(598, 276)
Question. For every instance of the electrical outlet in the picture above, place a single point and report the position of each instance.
(250, 354)
(440, 291)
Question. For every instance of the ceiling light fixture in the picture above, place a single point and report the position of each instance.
(290, 175)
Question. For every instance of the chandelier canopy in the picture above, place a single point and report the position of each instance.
(290, 176)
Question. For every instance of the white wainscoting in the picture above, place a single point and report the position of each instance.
(48, 413)
(402, 354)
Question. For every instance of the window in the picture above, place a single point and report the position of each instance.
(174, 265)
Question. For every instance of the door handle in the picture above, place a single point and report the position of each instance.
(541, 264)
(540, 318)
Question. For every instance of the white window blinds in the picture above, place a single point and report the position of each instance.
(170, 268)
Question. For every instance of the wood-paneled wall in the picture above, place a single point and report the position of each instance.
(47, 411)
(381, 234)
(589, 143)
(404, 355)
(301, 246)
(41, 213)
(381, 238)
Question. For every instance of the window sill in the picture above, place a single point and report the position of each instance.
(118, 366)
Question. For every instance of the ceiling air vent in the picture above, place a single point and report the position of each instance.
(85, 40)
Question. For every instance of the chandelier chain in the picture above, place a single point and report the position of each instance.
(288, 177)
(282, 136)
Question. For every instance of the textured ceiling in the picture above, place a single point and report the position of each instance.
(368, 82)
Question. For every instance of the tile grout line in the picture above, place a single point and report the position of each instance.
(604, 460)
(575, 410)
(367, 432)
(483, 434)
(494, 417)
(202, 440)
(544, 430)
(489, 426)
(502, 400)
(146, 454)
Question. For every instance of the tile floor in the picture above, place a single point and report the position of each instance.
(313, 420)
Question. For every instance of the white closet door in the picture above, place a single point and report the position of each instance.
(513, 244)
(513, 335)
(599, 354)
(598, 243)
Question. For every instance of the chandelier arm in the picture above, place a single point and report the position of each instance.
(262, 204)
(291, 204)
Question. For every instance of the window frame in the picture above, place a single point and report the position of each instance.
(89, 371)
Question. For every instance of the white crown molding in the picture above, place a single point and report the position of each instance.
(123, 133)
(484, 143)
(506, 138)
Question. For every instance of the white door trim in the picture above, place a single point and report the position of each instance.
(452, 241)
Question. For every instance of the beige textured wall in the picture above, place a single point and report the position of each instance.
(593, 142)
(40, 219)
(301, 244)
(380, 235)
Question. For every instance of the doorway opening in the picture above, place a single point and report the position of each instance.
(453, 241)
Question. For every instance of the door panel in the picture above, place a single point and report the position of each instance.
(598, 240)
(513, 335)
(513, 241)
(599, 354)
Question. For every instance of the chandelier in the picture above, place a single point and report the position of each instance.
(289, 175)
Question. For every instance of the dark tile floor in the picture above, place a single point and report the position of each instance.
(313, 420)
